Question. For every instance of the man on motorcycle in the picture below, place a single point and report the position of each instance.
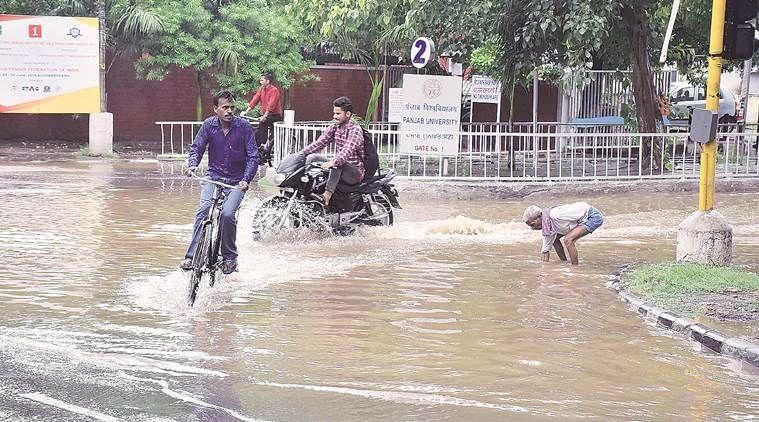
(348, 164)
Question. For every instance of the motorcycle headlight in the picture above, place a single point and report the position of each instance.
(304, 179)
(279, 178)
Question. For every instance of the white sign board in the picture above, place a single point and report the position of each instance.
(49, 64)
(485, 90)
(432, 107)
(422, 51)
(395, 105)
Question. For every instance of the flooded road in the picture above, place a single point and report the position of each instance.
(449, 315)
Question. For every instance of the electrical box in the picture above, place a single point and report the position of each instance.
(703, 125)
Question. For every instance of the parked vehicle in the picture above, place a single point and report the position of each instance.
(682, 97)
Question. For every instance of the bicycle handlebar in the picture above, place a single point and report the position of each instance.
(205, 179)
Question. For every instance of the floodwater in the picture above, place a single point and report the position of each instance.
(449, 315)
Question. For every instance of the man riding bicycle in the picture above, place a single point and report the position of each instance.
(232, 159)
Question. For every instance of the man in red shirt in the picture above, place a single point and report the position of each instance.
(271, 108)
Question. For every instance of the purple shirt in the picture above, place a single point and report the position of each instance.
(231, 157)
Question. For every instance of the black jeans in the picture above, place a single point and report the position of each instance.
(346, 173)
(265, 130)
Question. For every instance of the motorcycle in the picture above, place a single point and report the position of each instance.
(300, 205)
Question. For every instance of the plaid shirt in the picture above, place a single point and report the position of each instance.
(349, 141)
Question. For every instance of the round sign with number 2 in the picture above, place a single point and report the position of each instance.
(422, 51)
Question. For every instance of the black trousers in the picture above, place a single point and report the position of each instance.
(346, 173)
(265, 130)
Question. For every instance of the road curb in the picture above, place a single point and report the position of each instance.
(712, 340)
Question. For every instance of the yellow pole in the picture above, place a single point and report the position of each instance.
(709, 151)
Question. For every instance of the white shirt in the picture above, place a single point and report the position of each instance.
(564, 219)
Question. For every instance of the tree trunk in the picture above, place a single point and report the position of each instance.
(647, 114)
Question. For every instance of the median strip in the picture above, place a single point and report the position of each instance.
(692, 289)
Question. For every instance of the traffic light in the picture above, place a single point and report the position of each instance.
(739, 32)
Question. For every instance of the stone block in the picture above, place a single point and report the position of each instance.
(667, 319)
(682, 324)
(697, 331)
(713, 340)
(101, 134)
(705, 237)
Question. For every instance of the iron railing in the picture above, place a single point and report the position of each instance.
(556, 153)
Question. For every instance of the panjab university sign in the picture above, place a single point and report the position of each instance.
(432, 109)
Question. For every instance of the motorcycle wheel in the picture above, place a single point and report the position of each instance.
(270, 216)
(381, 207)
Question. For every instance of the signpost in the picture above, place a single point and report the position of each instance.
(432, 106)
(422, 52)
(485, 90)
(49, 64)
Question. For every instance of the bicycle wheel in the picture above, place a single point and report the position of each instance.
(214, 253)
(199, 261)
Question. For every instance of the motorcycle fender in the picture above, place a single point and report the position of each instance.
(392, 196)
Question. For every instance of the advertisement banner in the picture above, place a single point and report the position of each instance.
(485, 90)
(49, 64)
(432, 105)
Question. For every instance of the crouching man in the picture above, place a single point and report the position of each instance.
(571, 222)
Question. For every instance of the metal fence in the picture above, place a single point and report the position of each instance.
(523, 151)
(176, 138)
(554, 153)
(608, 90)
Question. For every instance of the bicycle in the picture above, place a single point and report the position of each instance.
(206, 258)
(265, 149)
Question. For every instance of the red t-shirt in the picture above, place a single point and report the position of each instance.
(270, 99)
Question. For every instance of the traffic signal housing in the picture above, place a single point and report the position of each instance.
(738, 42)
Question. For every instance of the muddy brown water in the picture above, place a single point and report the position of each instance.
(448, 315)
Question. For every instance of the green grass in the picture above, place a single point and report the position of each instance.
(680, 286)
(82, 152)
(669, 279)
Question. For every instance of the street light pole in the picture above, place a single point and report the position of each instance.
(709, 151)
(101, 124)
(705, 236)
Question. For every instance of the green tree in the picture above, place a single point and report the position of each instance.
(363, 31)
(369, 31)
(581, 34)
(228, 43)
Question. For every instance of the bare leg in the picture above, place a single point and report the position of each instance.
(559, 248)
(570, 239)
